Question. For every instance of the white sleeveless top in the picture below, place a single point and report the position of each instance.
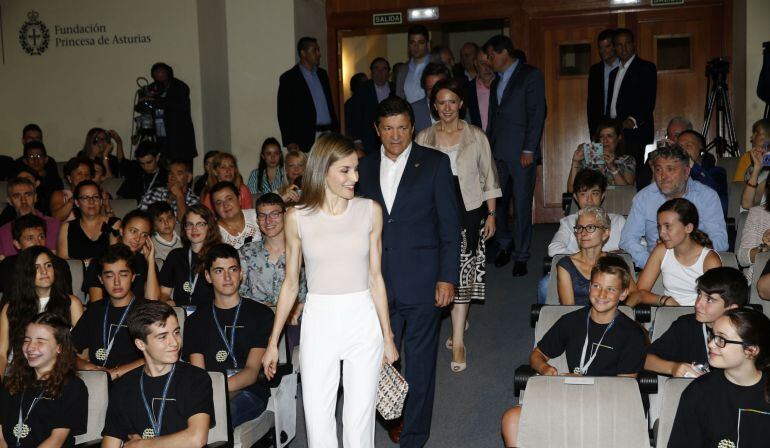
(336, 248)
(679, 280)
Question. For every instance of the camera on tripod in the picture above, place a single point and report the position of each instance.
(146, 104)
(717, 70)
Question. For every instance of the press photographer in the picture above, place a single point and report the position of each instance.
(163, 109)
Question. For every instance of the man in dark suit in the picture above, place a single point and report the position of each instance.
(361, 112)
(633, 85)
(305, 107)
(516, 117)
(599, 80)
(420, 252)
(466, 70)
(178, 139)
(433, 73)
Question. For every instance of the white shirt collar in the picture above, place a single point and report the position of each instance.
(400, 159)
(630, 60)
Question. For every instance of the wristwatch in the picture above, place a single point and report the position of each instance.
(492, 213)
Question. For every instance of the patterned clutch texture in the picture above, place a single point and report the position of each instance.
(391, 392)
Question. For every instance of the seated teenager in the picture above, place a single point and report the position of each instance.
(43, 403)
(76, 170)
(616, 342)
(181, 280)
(135, 230)
(268, 176)
(755, 237)
(93, 232)
(683, 254)
(291, 191)
(224, 168)
(230, 336)
(682, 350)
(27, 231)
(587, 189)
(164, 236)
(750, 168)
(23, 198)
(168, 401)
(177, 192)
(236, 225)
(144, 173)
(729, 406)
(101, 335)
(592, 230)
(39, 284)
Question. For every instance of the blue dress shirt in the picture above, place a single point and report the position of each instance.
(412, 86)
(504, 78)
(642, 221)
(322, 117)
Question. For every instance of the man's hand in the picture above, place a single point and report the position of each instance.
(176, 190)
(133, 440)
(682, 369)
(445, 293)
(628, 123)
(549, 371)
(293, 146)
(526, 159)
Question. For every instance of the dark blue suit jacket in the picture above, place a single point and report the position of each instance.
(515, 125)
(421, 234)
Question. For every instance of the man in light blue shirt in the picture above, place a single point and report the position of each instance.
(408, 76)
(671, 171)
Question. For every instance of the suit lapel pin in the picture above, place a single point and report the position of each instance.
(417, 165)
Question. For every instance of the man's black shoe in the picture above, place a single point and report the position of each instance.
(519, 269)
(503, 257)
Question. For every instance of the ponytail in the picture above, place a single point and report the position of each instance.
(700, 237)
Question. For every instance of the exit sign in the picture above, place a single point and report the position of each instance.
(666, 2)
(389, 18)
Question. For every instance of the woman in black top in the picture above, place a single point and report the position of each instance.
(730, 406)
(44, 403)
(90, 235)
(39, 284)
(181, 278)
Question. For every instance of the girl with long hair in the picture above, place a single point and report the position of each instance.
(224, 168)
(730, 405)
(93, 232)
(683, 254)
(38, 285)
(181, 279)
(44, 403)
(346, 311)
(268, 176)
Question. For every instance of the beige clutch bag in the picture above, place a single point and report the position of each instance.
(391, 392)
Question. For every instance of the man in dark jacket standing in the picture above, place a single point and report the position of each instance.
(173, 120)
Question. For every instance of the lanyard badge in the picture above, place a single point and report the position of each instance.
(585, 364)
(222, 355)
(151, 433)
(104, 352)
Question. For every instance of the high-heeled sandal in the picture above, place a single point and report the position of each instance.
(458, 367)
(448, 344)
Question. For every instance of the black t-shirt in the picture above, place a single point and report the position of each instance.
(682, 342)
(6, 273)
(91, 279)
(620, 353)
(137, 182)
(174, 274)
(69, 410)
(190, 393)
(252, 330)
(711, 408)
(88, 334)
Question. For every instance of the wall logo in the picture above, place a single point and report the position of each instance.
(33, 35)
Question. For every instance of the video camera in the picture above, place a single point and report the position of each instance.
(145, 104)
(717, 70)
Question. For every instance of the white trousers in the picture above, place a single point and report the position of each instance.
(338, 328)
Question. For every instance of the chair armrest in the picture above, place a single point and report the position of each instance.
(648, 382)
(547, 263)
(521, 375)
(566, 202)
(643, 313)
(534, 314)
(281, 371)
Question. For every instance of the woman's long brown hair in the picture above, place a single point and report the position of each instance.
(212, 231)
(328, 149)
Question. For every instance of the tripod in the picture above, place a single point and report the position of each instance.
(725, 141)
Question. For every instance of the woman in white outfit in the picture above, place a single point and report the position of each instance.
(346, 312)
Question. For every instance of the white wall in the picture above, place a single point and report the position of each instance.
(67, 90)
(757, 31)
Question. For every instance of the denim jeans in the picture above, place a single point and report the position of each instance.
(245, 406)
(542, 288)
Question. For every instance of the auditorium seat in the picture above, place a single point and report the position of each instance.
(112, 185)
(121, 207)
(219, 434)
(583, 411)
(281, 412)
(76, 268)
(60, 168)
(617, 199)
(670, 392)
(97, 383)
(759, 265)
(729, 259)
(734, 194)
(180, 316)
(740, 223)
(729, 164)
(552, 296)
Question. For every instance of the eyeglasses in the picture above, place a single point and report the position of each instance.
(721, 342)
(590, 228)
(34, 156)
(272, 215)
(198, 225)
(90, 198)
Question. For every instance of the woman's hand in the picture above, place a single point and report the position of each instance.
(270, 360)
(757, 154)
(291, 194)
(766, 237)
(578, 156)
(609, 161)
(148, 250)
(390, 352)
(115, 137)
(490, 225)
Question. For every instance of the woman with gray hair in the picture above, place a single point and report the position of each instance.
(573, 273)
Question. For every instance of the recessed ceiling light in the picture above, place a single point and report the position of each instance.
(417, 14)
(623, 2)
